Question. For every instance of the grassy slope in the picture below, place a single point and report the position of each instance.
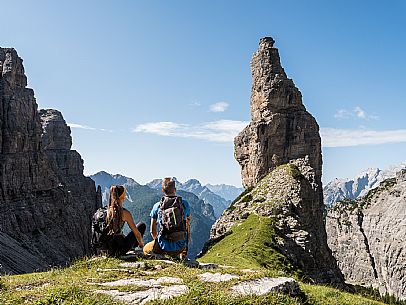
(72, 285)
(251, 245)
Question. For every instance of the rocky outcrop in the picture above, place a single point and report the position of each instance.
(280, 157)
(46, 201)
(55, 132)
(281, 129)
(367, 237)
(286, 195)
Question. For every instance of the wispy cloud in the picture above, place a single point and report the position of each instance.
(333, 137)
(357, 112)
(217, 131)
(219, 107)
(80, 126)
(226, 130)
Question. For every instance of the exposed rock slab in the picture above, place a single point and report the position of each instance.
(266, 285)
(144, 283)
(217, 277)
(142, 297)
(45, 199)
(367, 237)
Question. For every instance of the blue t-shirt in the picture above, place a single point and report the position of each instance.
(164, 244)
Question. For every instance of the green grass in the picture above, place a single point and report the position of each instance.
(75, 285)
(251, 244)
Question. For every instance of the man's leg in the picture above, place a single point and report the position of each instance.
(152, 246)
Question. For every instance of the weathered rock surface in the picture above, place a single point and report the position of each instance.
(142, 297)
(265, 285)
(367, 237)
(281, 129)
(217, 277)
(46, 201)
(144, 283)
(55, 132)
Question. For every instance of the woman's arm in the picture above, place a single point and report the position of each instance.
(127, 217)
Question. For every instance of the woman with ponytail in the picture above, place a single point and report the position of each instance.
(120, 244)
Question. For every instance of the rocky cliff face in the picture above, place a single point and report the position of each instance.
(367, 237)
(282, 131)
(45, 200)
(281, 128)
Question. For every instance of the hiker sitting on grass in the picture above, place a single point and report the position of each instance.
(173, 215)
(117, 243)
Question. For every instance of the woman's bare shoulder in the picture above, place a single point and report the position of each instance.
(126, 214)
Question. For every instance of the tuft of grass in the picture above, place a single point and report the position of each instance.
(73, 295)
(294, 171)
(318, 294)
(251, 244)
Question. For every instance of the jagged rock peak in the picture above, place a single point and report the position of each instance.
(11, 68)
(272, 90)
(56, 133)
(281, 129)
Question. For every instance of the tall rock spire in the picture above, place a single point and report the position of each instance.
(281, 129)
(282, 140)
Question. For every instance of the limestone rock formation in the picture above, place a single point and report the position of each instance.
(281, 129)
(45, 200)
(55, 132)
(367, 237)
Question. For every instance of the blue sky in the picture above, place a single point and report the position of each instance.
(159, 88)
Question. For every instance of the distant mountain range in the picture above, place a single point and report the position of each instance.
(206, 206)
(359, 186)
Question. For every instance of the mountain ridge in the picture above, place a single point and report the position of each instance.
(357, 187)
